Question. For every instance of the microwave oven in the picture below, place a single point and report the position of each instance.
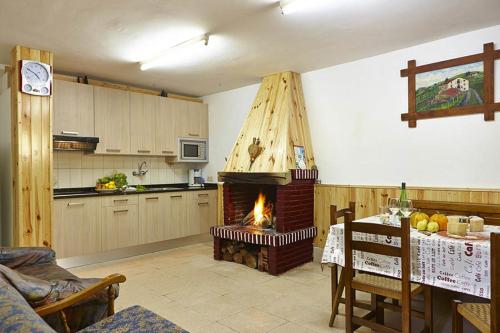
(193, 150)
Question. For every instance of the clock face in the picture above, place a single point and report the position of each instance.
(35, 74)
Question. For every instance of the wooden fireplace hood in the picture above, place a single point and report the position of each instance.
(264, 150)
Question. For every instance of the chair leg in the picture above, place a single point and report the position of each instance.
(334, 286)
(457, 321)
(348, 310)
(379, 311)
(428, 317)
(337, 296)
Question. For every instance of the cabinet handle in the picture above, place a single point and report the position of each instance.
(202, 203)
(70, 132)
(193, 134)
(120, 200)
(73, 204)
(167, 152)
(203, 194)
(152, 198)
(109, 150)
(176, 196)
(144, 151)
(120, 211)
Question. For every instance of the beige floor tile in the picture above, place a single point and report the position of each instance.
(291, 328)
(217, 307)
(252, 321)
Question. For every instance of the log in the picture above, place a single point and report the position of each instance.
(231, 249)
(227, 256)
(251, 260)
(238, 258)
(243, 252)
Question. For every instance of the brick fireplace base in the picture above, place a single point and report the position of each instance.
(297, 248)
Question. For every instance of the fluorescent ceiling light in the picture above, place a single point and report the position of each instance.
(167, 54)
(291, 6)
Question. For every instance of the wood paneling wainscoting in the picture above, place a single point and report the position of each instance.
(369, 198)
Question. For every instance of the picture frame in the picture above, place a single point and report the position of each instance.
(300, 157)
(455, 87)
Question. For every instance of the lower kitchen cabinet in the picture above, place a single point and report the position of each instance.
(120, 226)
(89, 225)
(76, 227)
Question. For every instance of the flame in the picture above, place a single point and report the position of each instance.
(258, 210)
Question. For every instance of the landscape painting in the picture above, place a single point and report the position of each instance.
(450, 87)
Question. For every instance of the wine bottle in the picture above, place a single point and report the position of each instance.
(403, 196)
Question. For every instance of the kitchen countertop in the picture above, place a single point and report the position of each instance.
(65, 193)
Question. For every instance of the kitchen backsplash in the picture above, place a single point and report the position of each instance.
(77, 169)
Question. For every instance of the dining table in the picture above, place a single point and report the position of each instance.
(437, 259)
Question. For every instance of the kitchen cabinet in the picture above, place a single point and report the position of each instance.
(73, 109)
(153, 217)
(143, 111)
(177, 221)
(167, 115)
(77, 227)
(202, 212)
(112, 120)
(120, 226)
(193, 120)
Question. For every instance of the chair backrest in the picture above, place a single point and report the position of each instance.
(337, 214)
(402, 252)
(495, 281)
(490, 213)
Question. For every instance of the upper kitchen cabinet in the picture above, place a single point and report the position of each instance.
(193, 122)
(167, 115)
(143, 111)
(73, 108)
(112, 120)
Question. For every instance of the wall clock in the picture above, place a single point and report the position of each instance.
(36, 78)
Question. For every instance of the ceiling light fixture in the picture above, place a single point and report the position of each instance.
(163, 57)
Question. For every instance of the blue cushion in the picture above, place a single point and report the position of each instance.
(16, 315)
(134, 319)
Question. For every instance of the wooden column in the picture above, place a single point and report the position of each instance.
(32, 157)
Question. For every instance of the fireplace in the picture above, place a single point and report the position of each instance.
(268, 219)
(286, 241)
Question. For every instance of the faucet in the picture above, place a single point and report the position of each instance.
(140, 171)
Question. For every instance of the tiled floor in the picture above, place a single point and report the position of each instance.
(188, 287)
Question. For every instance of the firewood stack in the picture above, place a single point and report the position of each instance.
(246, 254)
(267, 220)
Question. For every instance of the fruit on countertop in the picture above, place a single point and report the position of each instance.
(422, 225)
(441, 220)
(140, 188)
(417, 217)
(432, 226)
(118, 180)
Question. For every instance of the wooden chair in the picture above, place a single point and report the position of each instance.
(337, 286)
(383, 287)
(490, 213)
(484, 316)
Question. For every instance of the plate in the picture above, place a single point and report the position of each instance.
(470, 236)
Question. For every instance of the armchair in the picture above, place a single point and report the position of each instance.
(67, 303)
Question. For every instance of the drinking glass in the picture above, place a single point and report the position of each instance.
(393, 206)
(406, 207)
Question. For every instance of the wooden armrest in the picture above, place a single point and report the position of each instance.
(81, 295)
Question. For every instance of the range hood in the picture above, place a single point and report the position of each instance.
(81, 143)
(274, 129)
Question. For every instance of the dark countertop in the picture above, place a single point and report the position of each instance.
(65, 193)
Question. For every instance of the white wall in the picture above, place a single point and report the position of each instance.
(354, 114)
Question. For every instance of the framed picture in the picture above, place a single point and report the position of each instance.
(453, 87)
(300, 157)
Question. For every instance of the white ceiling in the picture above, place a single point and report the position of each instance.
(249, 38)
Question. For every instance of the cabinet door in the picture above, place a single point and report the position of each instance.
(120, 227)
(167, 116)
(76, 227)
(203, 211)
(153, 214)
(112, 120)
(143, 110)
(176, 225)
(194, 120)
(73, 108)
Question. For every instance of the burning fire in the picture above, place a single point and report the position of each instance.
(258, 210)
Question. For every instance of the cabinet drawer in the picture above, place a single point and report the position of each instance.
(119, 200)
